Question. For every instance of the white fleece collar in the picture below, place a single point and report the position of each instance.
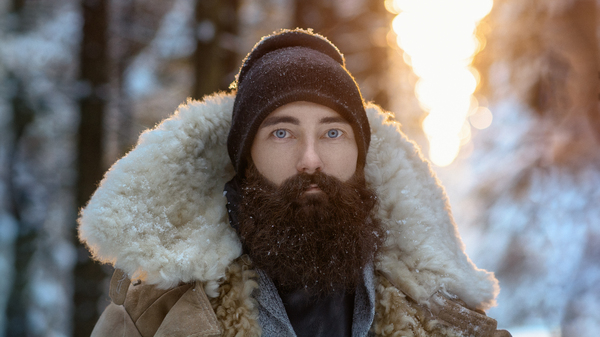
(159, 213)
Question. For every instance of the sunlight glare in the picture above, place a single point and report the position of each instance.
(439, 43)
(392, 6)
(482, 118)
(442, 151)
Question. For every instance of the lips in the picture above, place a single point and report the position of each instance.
(313, 188)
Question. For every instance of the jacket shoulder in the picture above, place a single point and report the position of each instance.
(146, 310)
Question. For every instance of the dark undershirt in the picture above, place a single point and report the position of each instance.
(319, 317)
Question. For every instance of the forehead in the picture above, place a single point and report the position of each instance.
(302, 111)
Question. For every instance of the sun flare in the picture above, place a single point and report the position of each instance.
(439, 42)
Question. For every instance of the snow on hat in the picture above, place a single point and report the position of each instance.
(289, 66)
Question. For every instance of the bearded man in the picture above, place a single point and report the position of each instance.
(334, 224)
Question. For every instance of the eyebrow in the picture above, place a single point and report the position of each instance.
(279, 119)
(334, 119)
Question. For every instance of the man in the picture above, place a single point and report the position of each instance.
(333, 225)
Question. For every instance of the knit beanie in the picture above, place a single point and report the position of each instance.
(289, 66)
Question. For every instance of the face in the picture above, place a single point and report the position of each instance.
(304, 137)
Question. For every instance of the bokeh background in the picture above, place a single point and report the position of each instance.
(502, 96)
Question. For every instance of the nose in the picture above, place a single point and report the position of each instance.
(309, 160)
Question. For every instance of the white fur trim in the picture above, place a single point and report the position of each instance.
(160, 213)
(423, 252)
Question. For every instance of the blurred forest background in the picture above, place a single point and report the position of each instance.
(81, 79)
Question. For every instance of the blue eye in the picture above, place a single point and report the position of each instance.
(281, 133)
(333, 133)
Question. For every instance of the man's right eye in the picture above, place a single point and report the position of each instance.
(281, 133)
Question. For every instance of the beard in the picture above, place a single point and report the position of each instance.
(318, 241)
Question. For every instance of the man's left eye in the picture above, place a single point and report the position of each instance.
(334, 133)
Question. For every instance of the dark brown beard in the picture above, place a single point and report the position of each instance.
(319, 241)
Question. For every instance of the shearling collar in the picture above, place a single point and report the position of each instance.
(159, 213)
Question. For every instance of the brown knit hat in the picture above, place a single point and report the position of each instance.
(289, 66)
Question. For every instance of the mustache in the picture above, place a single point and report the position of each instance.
(292, 189)
(299, 183)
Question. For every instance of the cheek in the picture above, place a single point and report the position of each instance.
(341, 163)
(273, 163)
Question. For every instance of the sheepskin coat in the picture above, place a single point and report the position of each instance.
(159, 216)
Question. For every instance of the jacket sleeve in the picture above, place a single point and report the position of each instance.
(396, 313)
(455, 315)
(141, 310)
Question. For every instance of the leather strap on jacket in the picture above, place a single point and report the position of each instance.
(453, 314)
(119, 283)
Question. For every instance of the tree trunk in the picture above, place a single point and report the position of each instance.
(215, 58)
(16, 312)
(94, 75)
(124, 50)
